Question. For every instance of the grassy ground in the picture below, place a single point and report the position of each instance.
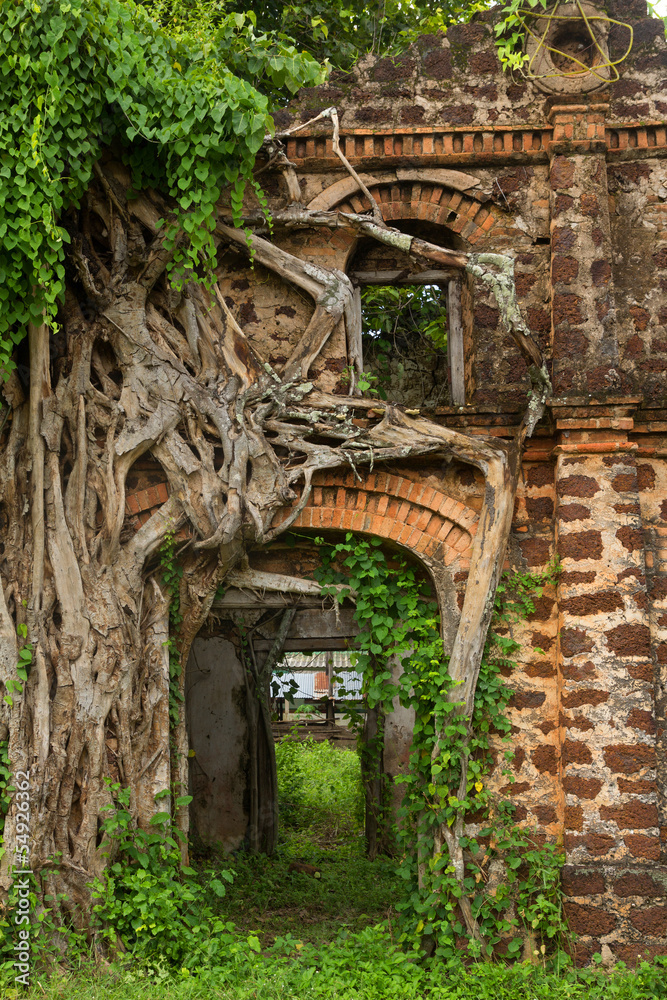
(348, 892)
(327, 935)
(321, 808)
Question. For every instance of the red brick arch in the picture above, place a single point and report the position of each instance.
(459, 212)
(435, 527)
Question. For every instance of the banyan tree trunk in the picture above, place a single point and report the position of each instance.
(139, 371)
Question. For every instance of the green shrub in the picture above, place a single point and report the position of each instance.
(319, 789)
(151, 906)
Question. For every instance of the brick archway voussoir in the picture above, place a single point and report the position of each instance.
(435, 527)
(430, 202)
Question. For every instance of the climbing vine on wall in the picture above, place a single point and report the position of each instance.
(81, 75)
(397, 617)
(519, 22)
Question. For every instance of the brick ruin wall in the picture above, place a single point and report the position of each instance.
(574, 187)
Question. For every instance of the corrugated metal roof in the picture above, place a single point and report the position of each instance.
(308, 673)
(318, 661)
(306, 686)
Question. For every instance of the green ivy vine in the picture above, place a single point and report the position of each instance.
(397, 616)
(187, 114)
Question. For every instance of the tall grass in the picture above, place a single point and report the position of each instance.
(320, 791)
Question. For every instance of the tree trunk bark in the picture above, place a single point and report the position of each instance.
(139, 371)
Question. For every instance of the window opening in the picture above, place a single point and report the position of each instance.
(412, 327)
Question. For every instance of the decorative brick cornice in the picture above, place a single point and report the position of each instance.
(369, 149)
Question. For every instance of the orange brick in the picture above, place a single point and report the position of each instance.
(357, 520)
(340, 497)
(404, 487)
(362, 500)
(327, 516)
(424, 517)
(132, 504)
(431, 547)
(427, 496)
(406, 531)
(346, 523)
(403, 511)
(395, 530)
(377, 525)
(459, 508)
(450, 556)
(454, 535)
(415, 535)
(383, 503)
(445, 530)
(337, 518)
(317, 517)
(433, 527)
(393, 483)
(437, 500)
(417, 493)
(392, 509)
(463, 543)
(488, 223)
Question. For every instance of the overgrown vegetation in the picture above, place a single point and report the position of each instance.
(364, 967)
(404, 335)
(446, 782)
(84, 75)
(315, 921)
(319, 790)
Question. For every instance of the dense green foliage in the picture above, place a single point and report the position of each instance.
(343, 32)
(400, 325)
(82, 75)
(319, 790)
(149, 904)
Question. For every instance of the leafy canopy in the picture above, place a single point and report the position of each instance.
(342, 32)
(189, 112)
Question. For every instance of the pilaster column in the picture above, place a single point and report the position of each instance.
(608, 752)
(585, 348)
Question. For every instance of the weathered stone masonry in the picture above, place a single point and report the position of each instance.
(573, 185)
